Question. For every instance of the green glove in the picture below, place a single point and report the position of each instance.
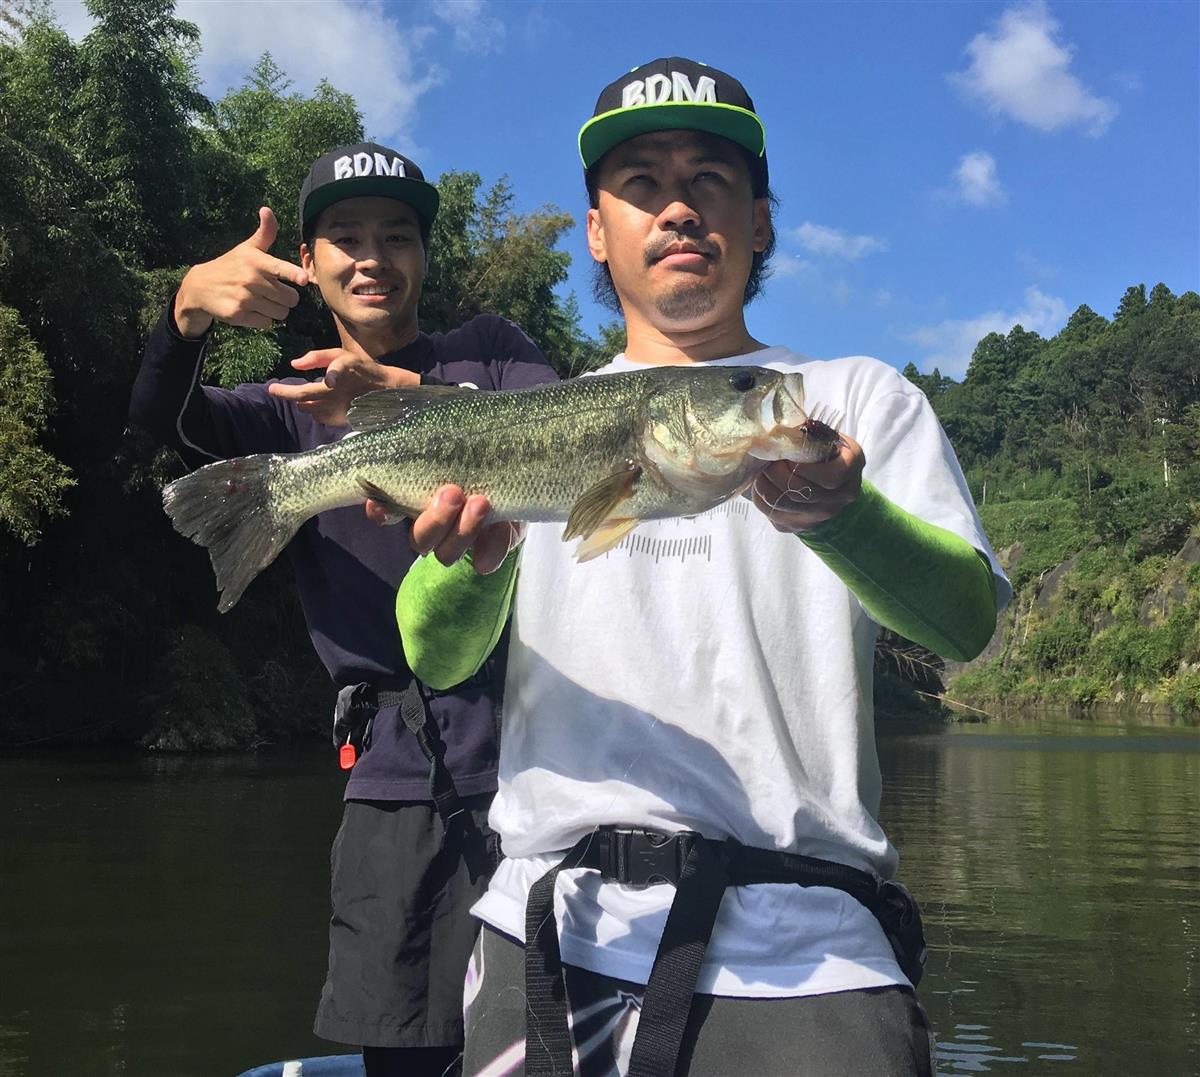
(450, 618)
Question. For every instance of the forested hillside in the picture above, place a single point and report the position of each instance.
(116, 174)
(1083, 452)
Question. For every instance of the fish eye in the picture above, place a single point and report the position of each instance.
(741, 380)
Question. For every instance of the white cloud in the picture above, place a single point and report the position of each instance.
(357, 47)
(1033, 265)
(375, 51)
(474, 29)
(1020, 71)
(949, 344)
(813, 282)
(829, 242)
(976, 181)
(790, 265)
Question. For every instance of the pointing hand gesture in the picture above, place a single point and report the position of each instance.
(347, 376)
(244, 286)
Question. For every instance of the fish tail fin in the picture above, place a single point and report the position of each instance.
(227, 507)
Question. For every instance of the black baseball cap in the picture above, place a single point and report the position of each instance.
(366, 168)
(673, 93)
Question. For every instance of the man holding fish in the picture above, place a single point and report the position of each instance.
(411, 855)
(694, 875)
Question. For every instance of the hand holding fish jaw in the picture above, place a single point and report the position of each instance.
(452, 524)
(797, 497)
(244, 286)
(347, 376)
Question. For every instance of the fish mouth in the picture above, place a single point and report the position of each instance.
(789, 432)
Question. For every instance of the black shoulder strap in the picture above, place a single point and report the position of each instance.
(547, 1032)
(480, 855)
(415, 713)
(668, 997)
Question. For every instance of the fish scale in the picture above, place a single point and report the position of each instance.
(600, 452)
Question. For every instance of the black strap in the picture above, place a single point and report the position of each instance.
(701, 869)
(668, 998)
(702, 879)
(547, 1034)
(479, 854)
(416, 716)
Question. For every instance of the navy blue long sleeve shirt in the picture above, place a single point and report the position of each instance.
(347, 569)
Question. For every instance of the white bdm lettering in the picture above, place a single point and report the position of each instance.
(383, 168)
(705, 89)
(659, 89)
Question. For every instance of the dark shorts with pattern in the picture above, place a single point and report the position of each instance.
(877, 1032)
(401, 934)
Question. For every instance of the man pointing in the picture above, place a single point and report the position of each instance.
(404, 870)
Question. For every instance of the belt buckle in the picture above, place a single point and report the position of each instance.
(648, 858)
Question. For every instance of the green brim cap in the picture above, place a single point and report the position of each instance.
(669, 94)
(364, 170)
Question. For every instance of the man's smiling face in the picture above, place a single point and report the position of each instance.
(368, 259)
(678, 225)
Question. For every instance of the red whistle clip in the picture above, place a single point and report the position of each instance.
(347, 756)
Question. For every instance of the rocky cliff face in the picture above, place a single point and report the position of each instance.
(1099, 627)
(1172, 588)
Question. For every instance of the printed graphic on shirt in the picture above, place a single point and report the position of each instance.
(680, 539)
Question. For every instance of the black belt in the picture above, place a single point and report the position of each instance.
(700, 868)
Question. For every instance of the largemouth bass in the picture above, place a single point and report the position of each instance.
(602, 453)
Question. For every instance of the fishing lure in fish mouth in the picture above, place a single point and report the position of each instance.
(601, 453)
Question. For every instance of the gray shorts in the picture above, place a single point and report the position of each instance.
(878, 1032)
(401, 932)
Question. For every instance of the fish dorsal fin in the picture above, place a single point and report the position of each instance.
(601, 502)
(383, 406)
(605, 537)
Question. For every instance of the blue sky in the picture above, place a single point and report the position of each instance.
(944, 169)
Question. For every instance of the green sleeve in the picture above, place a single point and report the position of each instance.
(450, 618)
(924, 582)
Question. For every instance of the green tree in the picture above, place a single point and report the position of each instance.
(31, 479)
(132, 111)
(115, 175)
(276, 134)
(484, 257)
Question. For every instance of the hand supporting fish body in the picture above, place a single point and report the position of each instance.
(602, 453)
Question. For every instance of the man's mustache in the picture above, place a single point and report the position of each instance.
(659, 248)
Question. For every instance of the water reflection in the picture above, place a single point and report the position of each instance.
(165, 916)
(967, 1050)
(1057, 869)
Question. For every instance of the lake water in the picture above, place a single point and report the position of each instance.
(165, 917)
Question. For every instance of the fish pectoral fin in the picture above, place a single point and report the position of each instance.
(605, 537)
(395, 511)
(377, 409)
(601, 501)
